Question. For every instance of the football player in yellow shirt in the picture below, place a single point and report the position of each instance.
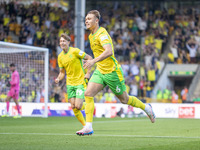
(108, 72)
(70, 61)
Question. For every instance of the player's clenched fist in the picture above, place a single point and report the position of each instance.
(57, 80)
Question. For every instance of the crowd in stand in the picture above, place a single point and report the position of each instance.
(185, 47)
(140, 34)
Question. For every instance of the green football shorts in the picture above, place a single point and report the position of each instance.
(114, 80)
(75, 91)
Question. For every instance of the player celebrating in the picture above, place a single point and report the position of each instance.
(70, 60)
(14, 91)
(108, 72)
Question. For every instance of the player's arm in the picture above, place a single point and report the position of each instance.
(61, 75)
(87, 75)
(14, 81)
(107, 53)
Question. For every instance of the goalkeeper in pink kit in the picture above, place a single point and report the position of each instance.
(14, 91)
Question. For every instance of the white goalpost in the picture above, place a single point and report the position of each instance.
(32, 63)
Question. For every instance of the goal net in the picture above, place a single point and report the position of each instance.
(32, 63)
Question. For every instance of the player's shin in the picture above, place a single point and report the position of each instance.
(79, 116)
(135, 102)
(83, 107)
(89, 110)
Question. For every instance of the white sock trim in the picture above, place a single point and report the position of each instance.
(88, 125)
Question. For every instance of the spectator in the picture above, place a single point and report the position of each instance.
(29, 39)
(53, 63)
(134, 69)
(167, 94)
(159, 95)
(109, 97)
(125, 68)
(38, 95)
(151, 74)
(120, 113)
(174, 50)
(57, 92)
(184, 93)
(148, 89)
(192, 46)
(142, 84)
(170, 57)
(174, 97)
(134, 88)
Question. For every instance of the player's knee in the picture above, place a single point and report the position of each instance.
(8, 99)
(87, 93)
(78, 107)
(123, 101)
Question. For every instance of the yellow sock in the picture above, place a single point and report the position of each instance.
(89, 108)
(83, 107)
(79, 116)
(135, 102)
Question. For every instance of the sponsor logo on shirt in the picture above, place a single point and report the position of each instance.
(104, 37)
(81, 53)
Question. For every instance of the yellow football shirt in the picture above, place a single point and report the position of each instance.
(151, 75)
(158, 43)
(72, 63)
(97, 41)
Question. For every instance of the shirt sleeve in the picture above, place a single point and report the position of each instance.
(14, 80)
(104, 39)
(80, 54)
(60, 63)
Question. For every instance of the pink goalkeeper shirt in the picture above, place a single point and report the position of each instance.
(15, 80)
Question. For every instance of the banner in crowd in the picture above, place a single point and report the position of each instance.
(106, 110)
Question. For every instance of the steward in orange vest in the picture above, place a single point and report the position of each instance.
(184, 94)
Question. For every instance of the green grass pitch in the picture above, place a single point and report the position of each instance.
(58, 133)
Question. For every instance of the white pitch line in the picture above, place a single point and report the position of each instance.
(150, 136)
(118, 121)
(133, 120)
(106, 135)
(35, 134)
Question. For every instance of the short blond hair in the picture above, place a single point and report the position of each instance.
(96, 13)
